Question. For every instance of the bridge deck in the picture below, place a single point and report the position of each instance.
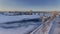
(55, 27)
(45, 27)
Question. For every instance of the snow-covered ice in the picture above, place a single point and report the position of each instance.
(17, 28)
(6, 27)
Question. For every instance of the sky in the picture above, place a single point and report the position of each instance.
(25, 5)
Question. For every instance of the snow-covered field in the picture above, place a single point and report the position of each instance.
(21, 24)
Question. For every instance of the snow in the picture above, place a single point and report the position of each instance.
(20, 28)
(16, 18)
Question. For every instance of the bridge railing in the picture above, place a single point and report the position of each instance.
(45, 27)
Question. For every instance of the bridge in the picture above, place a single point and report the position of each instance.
(46, 26)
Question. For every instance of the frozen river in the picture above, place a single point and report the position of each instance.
(25, 24)
(22, 24)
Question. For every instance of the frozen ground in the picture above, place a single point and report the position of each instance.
(22, 24)
(4, 18)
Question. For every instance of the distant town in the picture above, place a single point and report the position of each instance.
(26, 12)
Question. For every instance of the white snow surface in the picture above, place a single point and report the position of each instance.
(20, 30)
(16, 18)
